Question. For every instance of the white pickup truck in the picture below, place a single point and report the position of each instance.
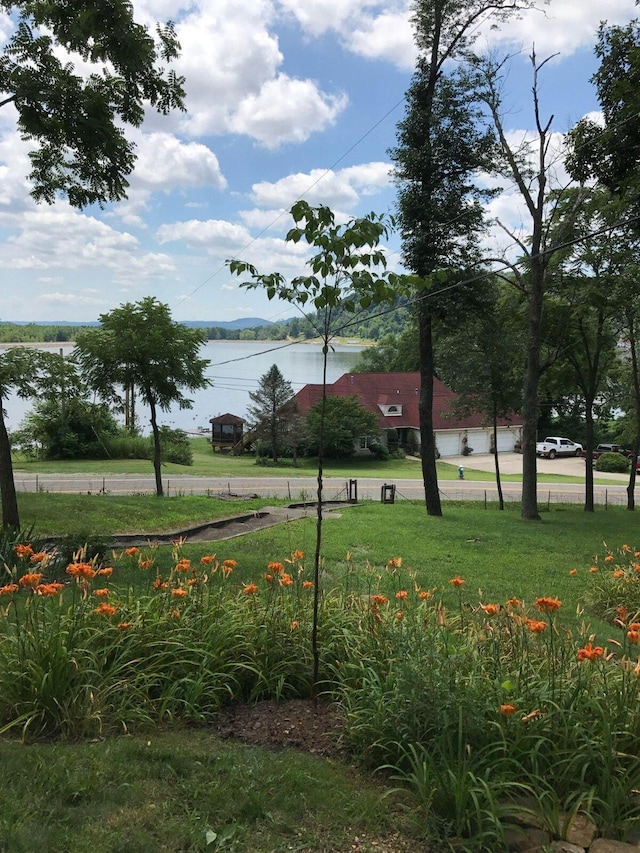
(554, 446)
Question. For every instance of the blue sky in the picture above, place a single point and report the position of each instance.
(286, 98)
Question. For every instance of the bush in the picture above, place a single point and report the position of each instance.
(612, 463)
(378, 450)
(176, 446)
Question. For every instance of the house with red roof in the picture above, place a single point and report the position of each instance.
(394, 397)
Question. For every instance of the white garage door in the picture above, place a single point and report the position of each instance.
(449, 443)
(479, 441)
(506, 439)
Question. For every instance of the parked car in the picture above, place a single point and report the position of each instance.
(609, 448)
(554, 446)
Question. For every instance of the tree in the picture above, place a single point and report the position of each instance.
(25, 372)
(345, 421)
(266, 420)
(612, 154)
(482, 362)
(139, 345)
(528, 168)
(76, 123)
(441, 148)
(344, 274)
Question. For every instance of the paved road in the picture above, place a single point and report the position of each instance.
(305, 488)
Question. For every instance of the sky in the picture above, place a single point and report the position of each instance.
(286, 99)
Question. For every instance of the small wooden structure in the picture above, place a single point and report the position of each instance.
(227, 434)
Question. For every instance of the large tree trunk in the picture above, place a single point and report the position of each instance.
(529, 510)
(10, 515)
(427, 438)
(589, 505)
(496, 460)
(635, 378)
(157, 451)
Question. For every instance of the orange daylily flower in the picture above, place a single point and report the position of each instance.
(23, 550)
(297, 555)
(423, 595)
(183, 565)
(48, 589)
(378, 599)
(250, 589)
(105, 572)
(490, 609)
(145, 564)
(536, 626)
(101, 593)
(276, 568)
(508, 710)
(30, 579)
(546, 604)
(457, 581)
(40, 557)
(286, 580)
(618, 573)
(228, 566)
(307, 584)
(395, 563)
(105, 609)
(9, 589)
(608, 558)
(402, 594)
(81, 570)
(179, 592)
(125, 626)
(131, 552)
(633, 635)
(590, 652)
(207, 559)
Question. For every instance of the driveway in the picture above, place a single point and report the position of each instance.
(511, 463)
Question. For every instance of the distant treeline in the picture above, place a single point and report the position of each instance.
(370, 324)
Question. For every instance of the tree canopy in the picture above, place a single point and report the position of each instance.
(138, 346)
(77, 122)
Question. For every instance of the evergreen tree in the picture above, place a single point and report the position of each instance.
(265, 415)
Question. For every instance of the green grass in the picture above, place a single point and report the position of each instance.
(100, 514)
(179, 790)
(208, 464)
(494, 551)
(166, 790)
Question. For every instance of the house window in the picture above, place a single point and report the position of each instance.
(392, 410)
(363, 442)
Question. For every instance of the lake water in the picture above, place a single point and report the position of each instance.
(235, 370)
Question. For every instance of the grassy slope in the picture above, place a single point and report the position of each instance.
(167, 789)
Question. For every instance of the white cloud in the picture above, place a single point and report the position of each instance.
(388, 36)
(164, 162)
(215, 235)
(563, 26)
(341, 189)
(286, 110)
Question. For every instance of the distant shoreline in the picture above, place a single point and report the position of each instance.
(311, 341)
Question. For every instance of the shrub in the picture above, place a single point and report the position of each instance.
(613, 463)
(176, 446)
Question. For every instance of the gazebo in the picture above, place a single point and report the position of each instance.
(226, 433)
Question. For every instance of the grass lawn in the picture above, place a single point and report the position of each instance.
(183, 789)
(176, 790)
(208, 464)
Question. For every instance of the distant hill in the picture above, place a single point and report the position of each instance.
(242, 323)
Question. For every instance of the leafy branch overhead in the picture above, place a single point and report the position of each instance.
(349, 268)
(76, 121)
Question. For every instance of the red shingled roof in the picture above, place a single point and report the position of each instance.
(378, 391)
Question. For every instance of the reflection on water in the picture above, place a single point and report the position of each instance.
(235, 371)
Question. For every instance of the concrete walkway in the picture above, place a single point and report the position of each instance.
(229, 528)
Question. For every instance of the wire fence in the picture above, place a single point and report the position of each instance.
(304, 489)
